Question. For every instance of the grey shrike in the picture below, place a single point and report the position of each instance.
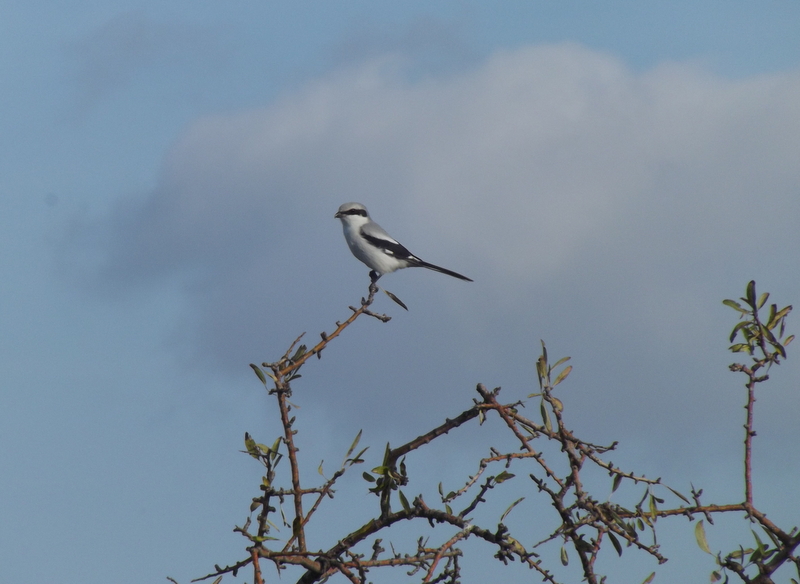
(376, 248)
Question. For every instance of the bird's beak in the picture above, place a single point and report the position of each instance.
(338, 215)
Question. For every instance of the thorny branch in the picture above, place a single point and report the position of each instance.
(581, 520)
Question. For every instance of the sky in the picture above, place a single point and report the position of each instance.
(606, 173)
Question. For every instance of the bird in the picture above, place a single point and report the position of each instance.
(377, 249)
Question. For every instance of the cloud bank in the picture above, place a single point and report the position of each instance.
(606, 209)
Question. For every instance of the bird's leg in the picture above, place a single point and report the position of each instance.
(373, 281)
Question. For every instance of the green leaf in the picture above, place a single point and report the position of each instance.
(259, 373)
(616, 483)
(386, 454)
(778, 318)
(740, 348)
(357, 458)
(771, 320)
(738, 326)
(615, 541)
(762, 299)
(761, 547)
(276, 445)
(283, 515)
(653, 506)
(563, 375)
(541, 370)
(301, 350)
(319, 470)
(353, 445)
(788, 340)
(700, 536)
(681, 497)
(768, 334)
(545, 417)
(735, 305)
(251, 446)
(560, 361)
(649, 579)
(631, 529)
(740, 553)
(503, 476)
(557, 404)
(368, 477)
(750, 293)
(564, 556)
(396, 299)
(404, 501)
(582, 545)
(259, 539)
(507, 511)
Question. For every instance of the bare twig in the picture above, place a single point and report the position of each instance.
(327, 338)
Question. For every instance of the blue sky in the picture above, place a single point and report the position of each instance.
(606, 173)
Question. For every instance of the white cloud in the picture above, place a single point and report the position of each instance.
(613, 208)
(541, 150)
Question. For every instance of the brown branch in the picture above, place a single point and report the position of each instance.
(748, 440)
(789, 541)
(288, 436)
(323, 491)
(282, 390)
(489, 484)
(482, 466)
(780, 557)
(232, 569)
(256, 567)
(327, 338)
(428, 437)
(325, 565)
(316, 569)
(342, 568)
(490, 400)
(463, 534)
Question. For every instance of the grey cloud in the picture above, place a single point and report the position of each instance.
(606, 210)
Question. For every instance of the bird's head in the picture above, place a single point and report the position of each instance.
(352, 213)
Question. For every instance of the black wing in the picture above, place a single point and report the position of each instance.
(391, 248)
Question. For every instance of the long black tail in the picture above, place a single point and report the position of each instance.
(441, 270)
